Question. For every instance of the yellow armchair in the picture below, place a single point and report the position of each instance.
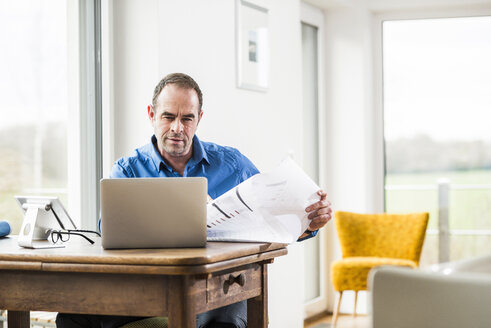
(372, 240)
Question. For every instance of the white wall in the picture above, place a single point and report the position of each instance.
(350, 117)
(154, 38)
(349, 51)
(262, 125)
(135, 58)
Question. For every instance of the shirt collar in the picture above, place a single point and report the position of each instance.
(199, 154)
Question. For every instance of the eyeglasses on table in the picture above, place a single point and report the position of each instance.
(64, 235)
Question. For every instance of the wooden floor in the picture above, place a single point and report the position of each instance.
(344, 321)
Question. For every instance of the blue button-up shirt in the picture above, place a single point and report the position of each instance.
(224, 167)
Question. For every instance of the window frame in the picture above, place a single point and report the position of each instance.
(314, 17)
(85, 110)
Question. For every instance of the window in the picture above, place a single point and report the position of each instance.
(33, 103)
(311, 149)
(49, 105)
(437, 77)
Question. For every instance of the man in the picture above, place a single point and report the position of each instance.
(175, 151)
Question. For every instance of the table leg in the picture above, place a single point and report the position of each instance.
(182, 312)
(257, 307)
(18, 319)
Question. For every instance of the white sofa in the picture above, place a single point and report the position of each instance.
(448, 295)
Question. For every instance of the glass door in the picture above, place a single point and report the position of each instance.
(437, 100)
(314, 277)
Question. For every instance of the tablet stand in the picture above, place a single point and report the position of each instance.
(27, 237)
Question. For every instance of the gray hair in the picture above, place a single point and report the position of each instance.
(183, 81)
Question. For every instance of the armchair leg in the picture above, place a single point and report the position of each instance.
(356, 298)
(336, 310)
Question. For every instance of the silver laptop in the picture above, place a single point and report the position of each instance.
(153, 212)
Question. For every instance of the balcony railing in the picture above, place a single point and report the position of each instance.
(443, 188)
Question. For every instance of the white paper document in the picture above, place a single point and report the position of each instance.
(268, 207)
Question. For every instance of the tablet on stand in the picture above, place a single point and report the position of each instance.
(41, 216)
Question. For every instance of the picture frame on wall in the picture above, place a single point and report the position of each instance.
(252, 46)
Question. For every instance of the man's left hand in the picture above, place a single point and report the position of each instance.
(320, 212)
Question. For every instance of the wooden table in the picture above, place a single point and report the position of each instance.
(178, 283)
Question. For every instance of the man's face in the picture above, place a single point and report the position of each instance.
(175, 120)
